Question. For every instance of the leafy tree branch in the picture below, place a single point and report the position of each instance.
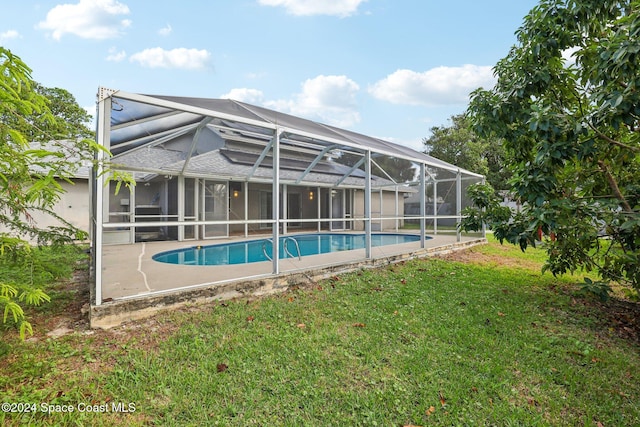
(569, 123)
(44, 139)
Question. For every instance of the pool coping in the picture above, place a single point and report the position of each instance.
(134, 307)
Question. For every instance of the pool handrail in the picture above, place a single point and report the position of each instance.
(264, 248)
(286, 249)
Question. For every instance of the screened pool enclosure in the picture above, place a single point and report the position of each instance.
(209, 171)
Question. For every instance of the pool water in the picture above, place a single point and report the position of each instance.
(289, 247)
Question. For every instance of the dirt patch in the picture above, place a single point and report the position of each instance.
(473, 256)
(621, 316)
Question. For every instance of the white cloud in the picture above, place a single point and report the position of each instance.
(89, 19)
(165, 31)
(569, 55)
(341, 8)
(329, 99)
(250, 96)
(183, 58)
(8, 35)
(115, 56)
(438, 86)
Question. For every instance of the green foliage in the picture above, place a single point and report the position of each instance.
(486, 209)
(598, 288)
(30, 173)
(13, 311)
(58, 117)
(24, 272)
(460, 145)
(567, 106)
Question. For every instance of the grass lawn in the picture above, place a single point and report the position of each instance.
(476, 338)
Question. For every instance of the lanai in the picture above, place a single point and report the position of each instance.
(196, 161)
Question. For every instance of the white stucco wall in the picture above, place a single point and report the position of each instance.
(73, 206)
(388, 210)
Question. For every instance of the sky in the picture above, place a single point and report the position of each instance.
(391, 69)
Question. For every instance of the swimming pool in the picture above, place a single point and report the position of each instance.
(293, 246)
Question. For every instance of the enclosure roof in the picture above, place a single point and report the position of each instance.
(143, 120)
(227, 167)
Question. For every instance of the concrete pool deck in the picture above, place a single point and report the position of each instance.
(135, 286)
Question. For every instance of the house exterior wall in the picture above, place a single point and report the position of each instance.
(309, 208)
(236, 209)
(73, 206)
(388, 210)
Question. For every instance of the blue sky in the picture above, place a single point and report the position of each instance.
(386, 68)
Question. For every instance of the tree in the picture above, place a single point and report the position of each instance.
(567, 106)
(71, 120)
(459, 145)
(30, 174)
(64, 118)
(400, 170)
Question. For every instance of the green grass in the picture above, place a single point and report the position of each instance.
(428, 342)
(43, 267)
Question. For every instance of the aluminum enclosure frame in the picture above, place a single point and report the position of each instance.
(129, 124)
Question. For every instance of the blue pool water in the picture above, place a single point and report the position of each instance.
(260, 250)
